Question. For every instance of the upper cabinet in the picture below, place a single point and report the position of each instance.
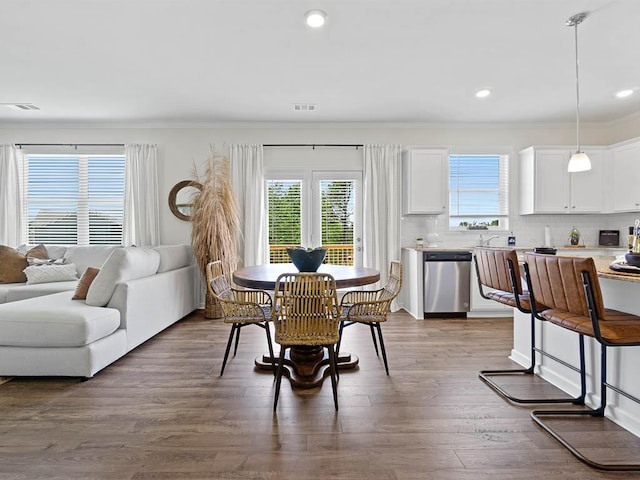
(425, 181)
(547, 187)
(625, 159)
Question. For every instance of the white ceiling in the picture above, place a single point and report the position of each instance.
(190, 61)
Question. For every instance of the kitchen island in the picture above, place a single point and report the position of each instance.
(620, 292)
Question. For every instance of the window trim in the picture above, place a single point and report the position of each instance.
(310, 199)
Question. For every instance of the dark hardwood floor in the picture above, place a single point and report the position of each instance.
(163, 412)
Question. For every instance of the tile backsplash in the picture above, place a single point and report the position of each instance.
(528, 230)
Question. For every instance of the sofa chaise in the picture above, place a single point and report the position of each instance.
(136, 293)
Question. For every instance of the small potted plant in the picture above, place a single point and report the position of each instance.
(419, 242)
(574, 236)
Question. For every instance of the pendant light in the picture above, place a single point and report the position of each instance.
(579, 161)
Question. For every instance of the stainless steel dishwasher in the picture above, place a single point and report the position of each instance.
(447, 283)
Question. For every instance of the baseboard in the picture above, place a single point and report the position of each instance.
(520, 358)
(624, 418)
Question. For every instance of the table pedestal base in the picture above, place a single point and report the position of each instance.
(306, 367)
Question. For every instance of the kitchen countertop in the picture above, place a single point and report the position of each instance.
(602, 265)
(605, 256)
(604, 250)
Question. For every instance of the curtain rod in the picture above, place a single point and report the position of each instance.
(313, 145)
(76, 145)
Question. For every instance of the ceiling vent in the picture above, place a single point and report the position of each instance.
(21, 106)
(304, 107)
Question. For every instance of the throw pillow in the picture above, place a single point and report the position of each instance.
(123, 264)
(45, 261)
(13, 263)
(50, 273)
(85, 282)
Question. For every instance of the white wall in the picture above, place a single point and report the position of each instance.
(182, 149)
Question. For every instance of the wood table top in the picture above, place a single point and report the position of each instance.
(264, 277)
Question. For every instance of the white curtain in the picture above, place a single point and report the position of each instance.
(381, 218)
(247, 166)
(10, 197)
(141, 211)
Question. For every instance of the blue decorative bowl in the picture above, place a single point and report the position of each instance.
(633, 259)
(307, 260)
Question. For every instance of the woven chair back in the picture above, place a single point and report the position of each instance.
(221, 288)
(240, 306)
(306, 310)
(394, 282)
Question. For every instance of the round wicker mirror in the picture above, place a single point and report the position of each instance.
(181, 198)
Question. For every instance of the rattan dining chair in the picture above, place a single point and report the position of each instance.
(370, 307)
(240, 308)
(306, 313)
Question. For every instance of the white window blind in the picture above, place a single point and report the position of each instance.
(337, 220)
(73, 199)
(478, 191)
(285, 229)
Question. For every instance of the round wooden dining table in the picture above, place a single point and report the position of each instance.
(305, 366)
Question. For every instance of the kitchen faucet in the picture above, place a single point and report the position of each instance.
(482, 242)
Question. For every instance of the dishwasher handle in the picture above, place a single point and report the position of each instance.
(447, 256)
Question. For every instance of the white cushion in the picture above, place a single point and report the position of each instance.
(173, 257)
(123, 264)
(55, 321)
(88, 256)
(50, 273)
(22, 291)
(56, 251)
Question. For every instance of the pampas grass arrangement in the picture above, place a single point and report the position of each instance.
(215, 223)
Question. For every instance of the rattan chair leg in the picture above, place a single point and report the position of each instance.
(235, 348)
(226, 352)
(384, 352)
(270, 346)
(279, 377)
(333, 370)
(339, 336)
(373, 337)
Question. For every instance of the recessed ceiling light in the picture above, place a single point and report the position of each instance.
(20, 106)
(315, 18)
(485, 92)
(624, 93)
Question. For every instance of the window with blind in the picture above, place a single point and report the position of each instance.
(73, 199)
(318, 209)
(285, 226)
(479, 191)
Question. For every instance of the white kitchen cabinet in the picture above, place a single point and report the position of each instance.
(425, 181)
(625, 164)
(547, 187)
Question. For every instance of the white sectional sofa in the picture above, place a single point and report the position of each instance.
(138, 293)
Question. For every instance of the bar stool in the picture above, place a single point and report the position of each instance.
(570, 288)
(498, 269)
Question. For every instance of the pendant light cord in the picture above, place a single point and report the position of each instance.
(577, 93)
